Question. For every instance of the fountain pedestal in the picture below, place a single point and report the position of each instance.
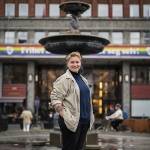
(91, 139)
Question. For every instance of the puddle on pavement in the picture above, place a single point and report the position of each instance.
(114, 144)
(26, 147)
(108, 143)
(123, 143)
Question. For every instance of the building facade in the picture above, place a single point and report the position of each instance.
(119, 74)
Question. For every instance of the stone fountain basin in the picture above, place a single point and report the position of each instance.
(74, 7)
(67, 43)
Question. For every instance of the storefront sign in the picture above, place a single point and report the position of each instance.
(14, 90)
(37, 51)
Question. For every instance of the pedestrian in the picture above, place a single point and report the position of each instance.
(37, 104)
(111, 110)
(106, 124)
(72, 100)
(116, 118)
(27, 117)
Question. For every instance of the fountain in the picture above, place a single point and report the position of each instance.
(72, 40)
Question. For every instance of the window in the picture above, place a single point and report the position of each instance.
(40, 10)
(146, 9)
(87, 13)
(23, 9)
(134, 10)
(134, 38)
(86, 33)
(54, 10)
(104, 35)
(117, 10)
(103, 10)
(53, 33)
(38, 36)
(146, 37)
(117, 38)
(9, 9)
(105, 88)
(9, 37)
(14, 73)
(22, 37)
(140, 74)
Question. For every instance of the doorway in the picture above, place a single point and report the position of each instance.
(106, 88)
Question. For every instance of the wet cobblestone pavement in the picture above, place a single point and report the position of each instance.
(39, 140)
(110, 142)
(26, 147)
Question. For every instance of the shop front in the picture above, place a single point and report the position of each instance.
(115, 76)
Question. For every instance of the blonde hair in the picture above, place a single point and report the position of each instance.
(73, 54)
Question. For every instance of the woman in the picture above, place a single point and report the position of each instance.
(71, 99)
(27, 119)
(116, 118)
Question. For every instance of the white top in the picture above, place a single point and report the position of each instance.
(118, 114)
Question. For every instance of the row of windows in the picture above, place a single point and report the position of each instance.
(15, 74)
(140, 75)
(12, 37)
(54, 11)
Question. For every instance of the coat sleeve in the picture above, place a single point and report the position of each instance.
(115, 115)
(60, 89)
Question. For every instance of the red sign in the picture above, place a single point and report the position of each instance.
(140, 91)
(14, 90)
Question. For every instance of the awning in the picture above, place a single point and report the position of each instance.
(12, 99)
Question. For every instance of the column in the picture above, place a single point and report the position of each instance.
(16, 8)
(31, 37)
(126, 39)
(142, 40)
(30, 86)
(1, 78)
(110, 8)
(47, 8)
(126, 8)
(31, 8)
(140, 2)
(62, 14)
(2, 36)
(126, 87)
(94, 8)
(2, 8)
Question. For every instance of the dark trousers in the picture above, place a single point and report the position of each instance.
(115, 124)
(73, 140)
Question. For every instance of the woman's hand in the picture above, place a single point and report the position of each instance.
(59, 109)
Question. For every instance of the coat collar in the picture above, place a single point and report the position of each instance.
(70, 76)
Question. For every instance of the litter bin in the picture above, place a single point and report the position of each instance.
(3, 122)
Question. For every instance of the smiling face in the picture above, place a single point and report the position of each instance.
(74, 64)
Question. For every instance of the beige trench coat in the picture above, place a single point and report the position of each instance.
(26, 116)
(66, 92)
